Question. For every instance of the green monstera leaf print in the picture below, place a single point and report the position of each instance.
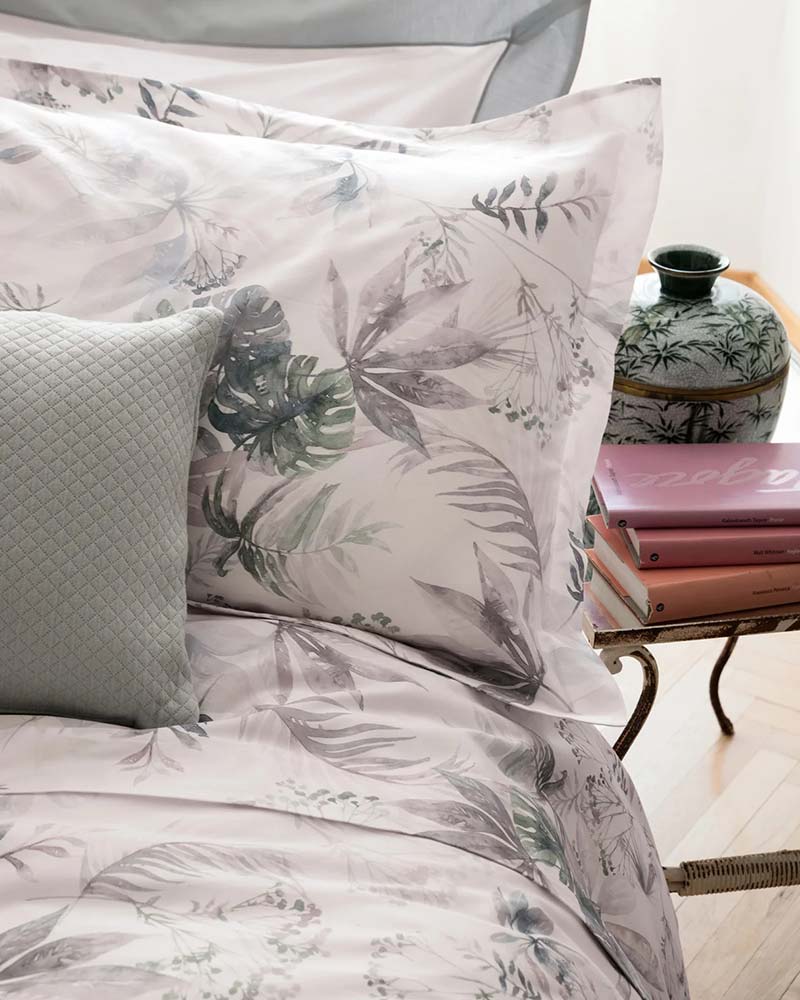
(270, 402)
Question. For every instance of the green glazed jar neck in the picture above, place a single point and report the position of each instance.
(687, 271)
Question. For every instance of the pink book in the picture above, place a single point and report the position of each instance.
(699, 485)
(661, 548)
(679, 593)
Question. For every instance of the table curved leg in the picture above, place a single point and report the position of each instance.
(725, 723)
(611, 658)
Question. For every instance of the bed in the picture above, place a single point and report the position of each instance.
(340, 823)
(348, 818)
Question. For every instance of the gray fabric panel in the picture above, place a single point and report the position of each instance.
(98, 424)
(539, 62)
(545, 36)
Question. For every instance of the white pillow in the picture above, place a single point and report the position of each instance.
(414, 63)
(414, 376)
(357, 83)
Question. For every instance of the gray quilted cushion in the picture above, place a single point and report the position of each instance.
(97, 425)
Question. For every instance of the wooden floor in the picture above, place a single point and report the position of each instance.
(706, 794)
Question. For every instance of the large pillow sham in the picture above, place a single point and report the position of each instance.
(99, 420)
(416, 63)
(417, 352)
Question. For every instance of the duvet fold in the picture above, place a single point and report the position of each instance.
(341, 823)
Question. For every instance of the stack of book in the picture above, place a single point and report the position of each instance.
(690, 531)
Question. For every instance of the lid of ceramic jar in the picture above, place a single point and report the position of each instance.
(690, 329)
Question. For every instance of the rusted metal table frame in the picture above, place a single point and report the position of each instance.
(615, 642)
(710, 875)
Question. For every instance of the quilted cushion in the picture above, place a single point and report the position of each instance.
(98, 422)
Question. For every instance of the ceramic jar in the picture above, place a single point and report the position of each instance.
(702, 359)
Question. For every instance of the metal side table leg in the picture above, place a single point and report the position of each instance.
(725, 723)
(611, 658)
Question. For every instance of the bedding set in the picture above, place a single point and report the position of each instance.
(367, 764)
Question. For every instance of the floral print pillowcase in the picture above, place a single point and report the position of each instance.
(403, 413)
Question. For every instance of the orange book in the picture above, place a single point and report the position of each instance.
(668, 595)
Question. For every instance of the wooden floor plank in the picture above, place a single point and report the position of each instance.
(778, 716)
(696, 755)
(776, 963)
(757, 730)
(681, 730)
(705, 919)
(697, 791)
(706, 794)
(793, 992)
(730, 811)
(761, 685)
(762, 648)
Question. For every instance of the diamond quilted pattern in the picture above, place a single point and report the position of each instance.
(97, 424)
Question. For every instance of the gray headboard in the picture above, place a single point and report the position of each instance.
(544, 37)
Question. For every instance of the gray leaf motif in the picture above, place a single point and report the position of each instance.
(324, 669)
(388, 414)
(379, 299)
(204, 478)
(214, 484)
(393, 309)
(334, 320)
(533, 764)
(170, 94)
(126, 278)
(479, 822)
(638, 951)
(111, 982)
(329, 671)
(13, 295)
(142, 218)
(444, 347)
(543, 838)
(491, 490)
(585, 204)
(19, 939)
(18, 154)
(384, 308)
(340, 186)
(517, 913)
(279, 667)
(423, 389)
(178, 863)
(287, 532)
(63, 953)
(350, 748)
(497, 618)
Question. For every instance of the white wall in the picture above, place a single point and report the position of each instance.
(779, 262)
(719, 61)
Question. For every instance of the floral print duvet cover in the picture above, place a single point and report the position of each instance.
(341, 823)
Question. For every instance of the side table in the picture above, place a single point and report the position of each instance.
(615, 642)
(709, 875)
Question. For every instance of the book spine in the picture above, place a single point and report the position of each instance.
(694, 518)
(708, 551)
(761, 588)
